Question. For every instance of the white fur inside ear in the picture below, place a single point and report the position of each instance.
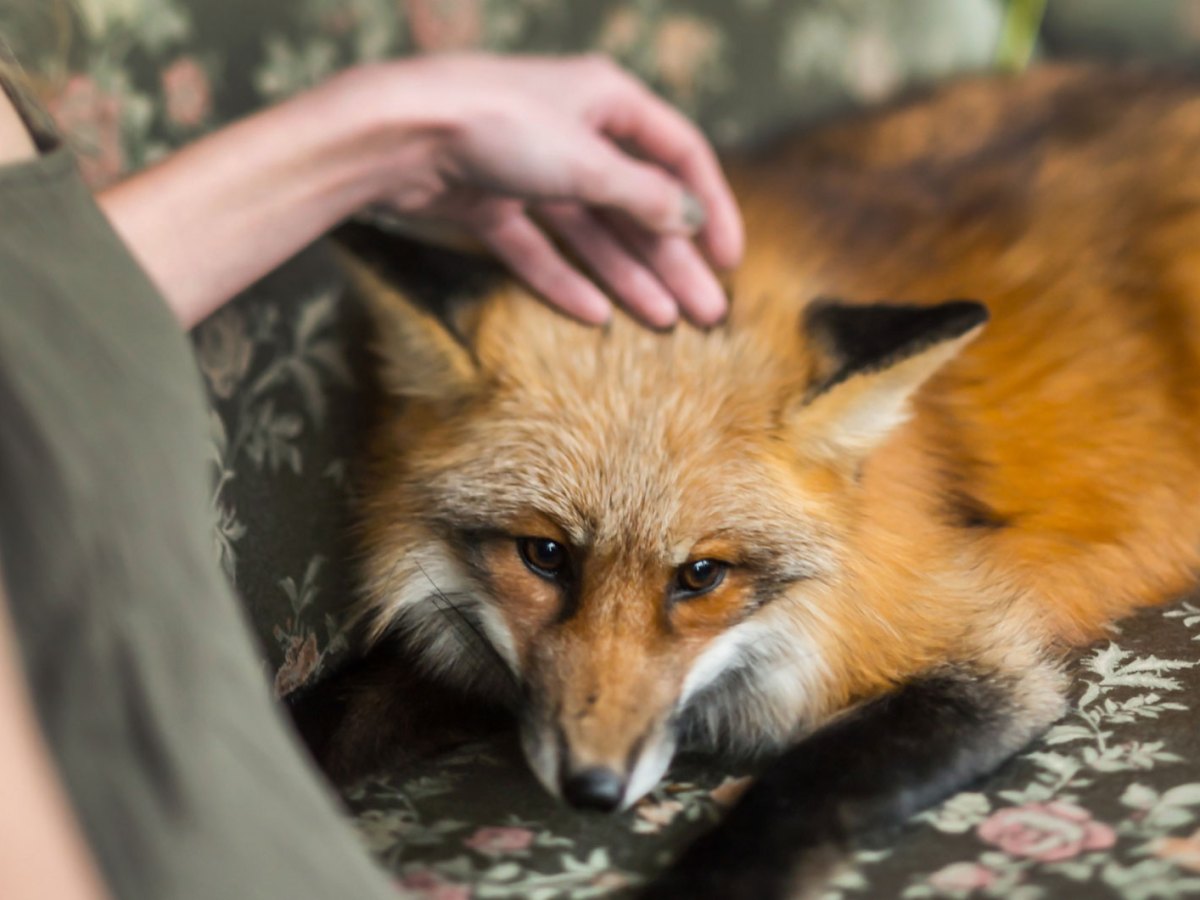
(866, 422)
(855, 416)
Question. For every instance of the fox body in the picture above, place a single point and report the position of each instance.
(863, 518)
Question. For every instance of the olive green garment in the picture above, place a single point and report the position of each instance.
(179, 765)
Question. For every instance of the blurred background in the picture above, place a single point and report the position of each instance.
(129, 79)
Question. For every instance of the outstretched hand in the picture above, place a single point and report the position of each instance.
(532, 154)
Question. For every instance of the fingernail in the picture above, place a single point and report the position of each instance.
(716, 309)
(694, 215)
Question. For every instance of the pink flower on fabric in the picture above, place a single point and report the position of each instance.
(299, 662)
(685, 46)
(429, 885)
(1046, 831)
(91, 119)
(610, 881)
(224, 350)
(729, 791)
(445, 24)
(962, 877)
(498, 841)
(654, 816)
(188, 92)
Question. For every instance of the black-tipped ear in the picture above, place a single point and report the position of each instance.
(862, 339)
(866, 362)
(417, 297)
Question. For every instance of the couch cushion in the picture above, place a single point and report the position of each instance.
(1107, 804)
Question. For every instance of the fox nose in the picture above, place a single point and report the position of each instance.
(595, 788)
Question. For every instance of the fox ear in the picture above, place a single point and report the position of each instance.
(422, 357)
(867, 362)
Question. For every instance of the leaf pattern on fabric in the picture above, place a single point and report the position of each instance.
(1106, 804)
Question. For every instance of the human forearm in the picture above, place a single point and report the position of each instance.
(210, 220)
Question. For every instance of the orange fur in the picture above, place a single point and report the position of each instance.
(1046, 483)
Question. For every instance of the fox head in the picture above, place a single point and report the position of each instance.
(635, 538)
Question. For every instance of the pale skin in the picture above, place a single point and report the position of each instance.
(494, 149)
(42, 853)
(522, 157)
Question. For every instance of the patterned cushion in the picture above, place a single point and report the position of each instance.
(1105, 805)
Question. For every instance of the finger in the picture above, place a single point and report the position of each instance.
(606, 176)
(682, 270)
(522, 246)
(613, 263)
(636, 115)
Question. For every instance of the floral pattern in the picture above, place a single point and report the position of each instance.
(1045, 831)
(1095, 808)
(1106, 804)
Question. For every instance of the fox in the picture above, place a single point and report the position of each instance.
(949, 431)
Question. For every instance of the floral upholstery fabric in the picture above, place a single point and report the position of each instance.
(1105, 805)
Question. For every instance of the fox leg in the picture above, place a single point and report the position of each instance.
(381, 712)
(867, 770)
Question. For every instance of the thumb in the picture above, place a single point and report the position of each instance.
(646, 193)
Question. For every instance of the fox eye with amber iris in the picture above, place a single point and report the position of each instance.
(698, 577)
(545, 557)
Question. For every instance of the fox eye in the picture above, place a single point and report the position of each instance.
(543, 556)
(699, 577)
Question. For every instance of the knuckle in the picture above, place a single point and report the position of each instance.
(665, 200)
(524, 257)
(592, 176)
(665, 256)
(659, 199)
(492, 220)
(562, 213)
(560, 284)
(635, 286)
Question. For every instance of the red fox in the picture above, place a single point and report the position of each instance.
(856, 526)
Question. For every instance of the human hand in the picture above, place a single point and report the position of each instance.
(526, 152)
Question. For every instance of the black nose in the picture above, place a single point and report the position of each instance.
(594, 788)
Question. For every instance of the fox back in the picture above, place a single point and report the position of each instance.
(952, 424)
